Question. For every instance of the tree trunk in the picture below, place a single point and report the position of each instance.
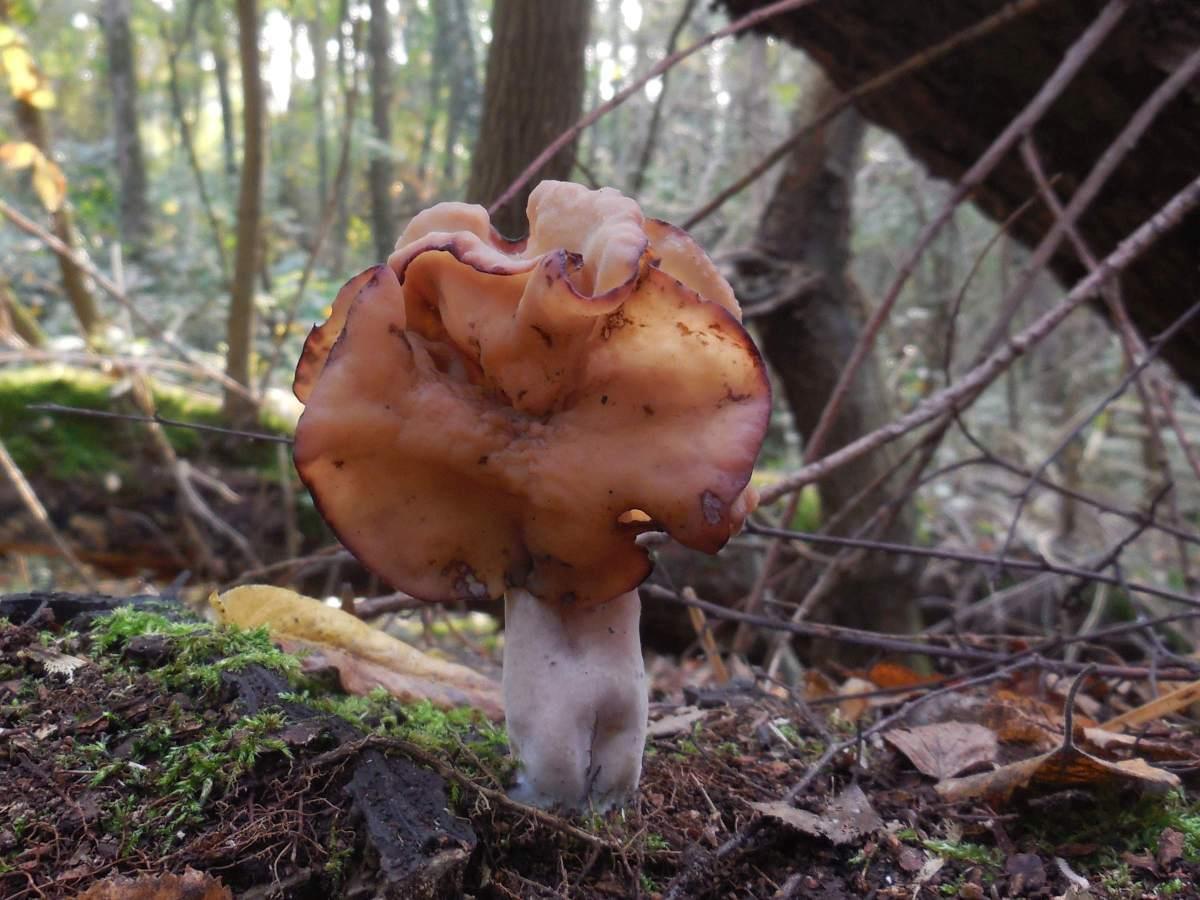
(216, 34)
(316, 40)
(75, 284)
(379, 172)
(808, 340)
(122, 83)
(533, 92)
(439, 63)
(240, 331)
(462, 112)
(347, 56)
(186, 140)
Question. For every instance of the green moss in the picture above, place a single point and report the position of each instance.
(200, 651)
(1123, 826)
(65, 446)
(965, 851)
(168, 785)
(445, 733)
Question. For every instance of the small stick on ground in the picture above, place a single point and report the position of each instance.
(30, 498)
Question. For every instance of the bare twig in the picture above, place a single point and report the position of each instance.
(750, 20)
(1074, 59)
(78, 259)
(1121, 387)
(1025, 565)
(651, 139)
(1103, 168)
(845, 101)
(157, 419)
(30, 498)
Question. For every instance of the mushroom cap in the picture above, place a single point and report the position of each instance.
(483, 414)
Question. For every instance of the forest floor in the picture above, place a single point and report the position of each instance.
(146, 754)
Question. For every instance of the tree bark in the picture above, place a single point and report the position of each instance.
(240, 330)
(75, 283)
(379, 171)
(122, 83)
(347, 54)
(221, 65)
(462, 111)
(175, 89)
(316, 40)
(439, 63)
(533, 92)
(808, 340)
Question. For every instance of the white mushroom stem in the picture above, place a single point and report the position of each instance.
(575, 699)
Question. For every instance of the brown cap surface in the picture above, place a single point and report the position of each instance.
(484, 414)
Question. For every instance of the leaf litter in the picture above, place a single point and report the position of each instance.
(300, 806)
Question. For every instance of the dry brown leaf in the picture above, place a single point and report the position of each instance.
(1158, 708)
(1014, 726)
(676, 723)
(818, 685)
(853, 708)
(1056, 770)
(361, 676)
(846, 818)
(365, 652)
(191, 885)
(893, 675)
(1112, 741)
(945, 749)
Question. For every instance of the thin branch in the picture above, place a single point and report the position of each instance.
(30, 498)
(937, 405)
(914, 63)
(32, 228)
(157, 419)
(1095, 180)
(965, 556)
(1076, 56)
(648, 145)
(1117, 391)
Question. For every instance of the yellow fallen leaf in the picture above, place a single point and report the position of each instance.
(294, 618)
(1158, 708)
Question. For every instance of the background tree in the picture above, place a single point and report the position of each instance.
(379, 175)
(127, 142)
(32, 124)
(240, 331)
(533, 92)
(800, 265)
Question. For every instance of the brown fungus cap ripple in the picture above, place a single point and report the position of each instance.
(483, 413)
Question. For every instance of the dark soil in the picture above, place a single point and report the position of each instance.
(146, 755)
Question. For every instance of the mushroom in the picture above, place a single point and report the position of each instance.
(487, 418)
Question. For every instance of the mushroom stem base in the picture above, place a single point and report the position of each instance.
(575, 699)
